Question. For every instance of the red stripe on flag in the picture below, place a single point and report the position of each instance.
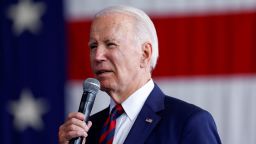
(78, 51)
(194, 45)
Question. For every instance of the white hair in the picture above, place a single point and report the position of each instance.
(145, 28)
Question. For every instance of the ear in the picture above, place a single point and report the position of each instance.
(146, 55)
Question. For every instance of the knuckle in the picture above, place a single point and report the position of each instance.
(72, 127)
(71, 115)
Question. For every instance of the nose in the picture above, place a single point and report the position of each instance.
(98, 54)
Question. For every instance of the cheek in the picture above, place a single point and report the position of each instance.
(127, 69)
(92, 59)
(92, 64)
(133, 61)
(126, 61)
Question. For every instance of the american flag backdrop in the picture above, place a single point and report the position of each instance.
(207, 57)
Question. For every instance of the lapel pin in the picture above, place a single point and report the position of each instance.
(149, 120)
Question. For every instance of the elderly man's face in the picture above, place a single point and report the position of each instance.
(115, 54)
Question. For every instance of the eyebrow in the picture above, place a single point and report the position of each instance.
(111, 40)
(108, 40)
(91, 42)
(105, 41)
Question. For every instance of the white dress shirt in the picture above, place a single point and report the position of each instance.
(132, 106)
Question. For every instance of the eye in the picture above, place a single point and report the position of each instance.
(93, 45)
(111, 45)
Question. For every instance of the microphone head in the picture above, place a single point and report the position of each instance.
(91, 85)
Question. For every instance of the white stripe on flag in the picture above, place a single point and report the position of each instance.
(79, 9)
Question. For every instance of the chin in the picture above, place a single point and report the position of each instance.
(105, 84)
(104, 76)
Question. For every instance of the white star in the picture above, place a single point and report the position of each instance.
(26, 16)
(28, 111)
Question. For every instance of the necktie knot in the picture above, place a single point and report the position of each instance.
(116, 112)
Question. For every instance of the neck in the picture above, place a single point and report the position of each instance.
(120, 97)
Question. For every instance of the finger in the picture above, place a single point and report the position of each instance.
(77, 122)
(77, 133)
(67, 132)
(76, 126)
(76, 115)
(65, 136)
(88, 126)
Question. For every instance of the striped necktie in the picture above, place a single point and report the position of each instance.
(108, 131)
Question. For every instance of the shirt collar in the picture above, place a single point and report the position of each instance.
(133, 104)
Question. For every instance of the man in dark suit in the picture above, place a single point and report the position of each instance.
(123, 53)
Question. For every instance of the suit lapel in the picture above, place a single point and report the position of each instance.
(147, 118)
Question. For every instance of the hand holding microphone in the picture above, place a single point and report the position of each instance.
(74, 125)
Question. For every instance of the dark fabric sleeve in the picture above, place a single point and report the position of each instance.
(200, 128)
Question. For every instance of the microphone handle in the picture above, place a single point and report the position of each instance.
(86, 108)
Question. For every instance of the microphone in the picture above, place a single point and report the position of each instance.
(91, 87)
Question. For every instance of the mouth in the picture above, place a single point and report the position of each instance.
(101, 72)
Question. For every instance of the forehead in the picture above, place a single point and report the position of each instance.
(112, 23)
(114, 16)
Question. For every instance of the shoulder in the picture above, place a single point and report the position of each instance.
(170, 106)
(194, 124)
(179, 106)
(183, 111)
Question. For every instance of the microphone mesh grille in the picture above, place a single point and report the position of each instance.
(91, 84)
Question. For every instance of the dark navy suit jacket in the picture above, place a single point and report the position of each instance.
(173, 122)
